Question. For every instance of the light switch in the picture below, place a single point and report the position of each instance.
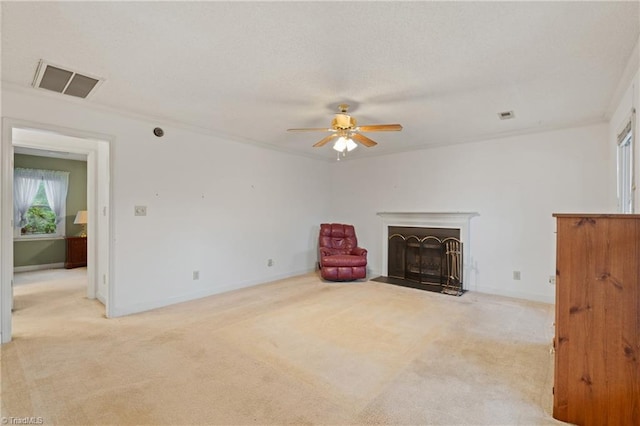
(140, 210)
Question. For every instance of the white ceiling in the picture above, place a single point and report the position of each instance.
(248, 71)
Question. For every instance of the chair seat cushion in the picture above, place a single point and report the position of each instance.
(344, 260)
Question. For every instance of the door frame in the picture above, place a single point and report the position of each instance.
(98, 148)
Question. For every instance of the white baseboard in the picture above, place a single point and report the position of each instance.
(119, 311)
(373, 273)
(38, 267)
(534, 297)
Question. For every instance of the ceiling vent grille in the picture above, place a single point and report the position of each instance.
(506, 115)
(57, 79)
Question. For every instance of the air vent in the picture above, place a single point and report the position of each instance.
(57, 79)
(506, 115)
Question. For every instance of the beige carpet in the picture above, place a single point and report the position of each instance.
(296, 351)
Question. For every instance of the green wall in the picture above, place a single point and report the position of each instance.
(27, 253)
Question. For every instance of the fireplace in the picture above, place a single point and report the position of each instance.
(426, 251)
(428, 258)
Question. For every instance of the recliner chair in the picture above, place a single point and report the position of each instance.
(340, 257)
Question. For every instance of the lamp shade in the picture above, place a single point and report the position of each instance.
(344, 143)
(81, 217)
(341, 144)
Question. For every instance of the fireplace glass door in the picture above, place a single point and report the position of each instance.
(426, 256)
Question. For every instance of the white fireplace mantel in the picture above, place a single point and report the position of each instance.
(451, 220)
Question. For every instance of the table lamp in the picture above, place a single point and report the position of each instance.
(81, 219)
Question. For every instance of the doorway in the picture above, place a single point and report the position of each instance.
(96, 148)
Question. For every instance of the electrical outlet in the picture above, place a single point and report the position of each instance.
(552, 279)
(516, 275)
(140, 210)
(270, 262)
(196, 275)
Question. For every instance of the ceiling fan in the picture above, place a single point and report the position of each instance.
(345, 130)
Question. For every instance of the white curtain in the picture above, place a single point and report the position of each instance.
(25, 187)
(56, 185)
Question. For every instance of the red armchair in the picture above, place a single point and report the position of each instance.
(340, 257)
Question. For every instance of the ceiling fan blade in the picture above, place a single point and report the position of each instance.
(324, 141)
(381, 128)
(310, 129)
(364, 140)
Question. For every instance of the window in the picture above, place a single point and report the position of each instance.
(40, 218)
(625, 168)
(40, 198)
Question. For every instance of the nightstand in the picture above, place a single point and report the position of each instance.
(76, 252)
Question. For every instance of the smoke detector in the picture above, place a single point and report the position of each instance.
(65, 81)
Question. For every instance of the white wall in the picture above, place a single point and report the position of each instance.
(515, 184)
(222, 208)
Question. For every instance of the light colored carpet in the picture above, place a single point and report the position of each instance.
(296, 351)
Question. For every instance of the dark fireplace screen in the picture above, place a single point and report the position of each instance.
(428, 258)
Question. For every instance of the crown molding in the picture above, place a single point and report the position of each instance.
(153, 120)
(488, 137)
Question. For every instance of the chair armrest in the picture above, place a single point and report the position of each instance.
(359, 251)
(326, 251)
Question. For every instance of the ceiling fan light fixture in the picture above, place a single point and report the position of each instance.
(341, 144)
(344, 127)
(345, 144)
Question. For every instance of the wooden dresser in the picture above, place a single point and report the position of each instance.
(76, 252)
(597, 337)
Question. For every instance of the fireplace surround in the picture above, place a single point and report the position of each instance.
(434, 244)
